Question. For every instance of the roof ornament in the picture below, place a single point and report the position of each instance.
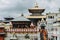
(22, 14)
(36, 4)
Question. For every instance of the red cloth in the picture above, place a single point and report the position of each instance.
(1, 38)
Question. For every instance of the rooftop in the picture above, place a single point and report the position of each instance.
(21, 18)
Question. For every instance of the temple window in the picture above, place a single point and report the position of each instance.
(50, 17)
(21, 26)
(40, 19)
(52, 29)
(44, 19)
(13, 39)
(56, 14)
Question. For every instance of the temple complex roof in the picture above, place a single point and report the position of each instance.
(8, 18)
(21, 18)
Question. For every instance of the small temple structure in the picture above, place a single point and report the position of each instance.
(36, 11)
(21, 22)
(8, 19)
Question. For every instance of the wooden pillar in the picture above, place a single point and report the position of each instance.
(2, 33)
(1, 37)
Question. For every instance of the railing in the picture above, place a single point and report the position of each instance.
(22, 30)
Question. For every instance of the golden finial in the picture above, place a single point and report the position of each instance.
(36, 4)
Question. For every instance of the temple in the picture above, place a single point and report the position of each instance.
(21, 22)
(33, 27)
(36, 17)
(25, 28)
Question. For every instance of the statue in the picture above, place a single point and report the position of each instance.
(43, 33)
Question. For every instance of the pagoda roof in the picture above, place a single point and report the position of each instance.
(21, 18)
(36, 9)
(6, 20)
(8, 17)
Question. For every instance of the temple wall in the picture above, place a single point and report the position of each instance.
(22, 36)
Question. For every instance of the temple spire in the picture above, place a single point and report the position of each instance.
(36, 4)
(59, 10)
(36, 11)
(22, 14)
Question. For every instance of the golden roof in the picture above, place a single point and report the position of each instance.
(35, 16)
(36, 9)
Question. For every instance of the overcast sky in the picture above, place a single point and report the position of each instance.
(15, 7)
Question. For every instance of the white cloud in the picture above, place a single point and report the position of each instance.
(15, 7)
(50, 5)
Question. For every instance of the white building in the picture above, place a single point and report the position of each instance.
(53, 25)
